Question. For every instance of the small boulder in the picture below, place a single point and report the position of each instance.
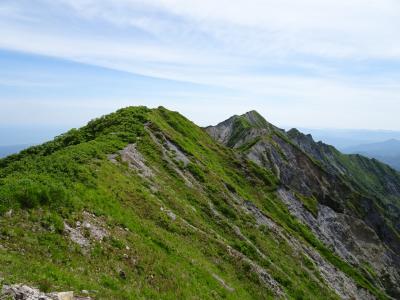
(63, 296)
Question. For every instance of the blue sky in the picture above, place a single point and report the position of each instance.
(306, 63)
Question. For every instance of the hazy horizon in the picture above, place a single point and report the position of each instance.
(19, 135)
(66, 62)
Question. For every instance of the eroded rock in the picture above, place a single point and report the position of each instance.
(135, 160)
(350, 238)
(91, 228)
(25, 292)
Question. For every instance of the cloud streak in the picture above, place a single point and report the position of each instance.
(308, 58)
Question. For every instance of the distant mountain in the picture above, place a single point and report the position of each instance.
(387, 151)
(11, 149)
(345, 138)
(144, 204)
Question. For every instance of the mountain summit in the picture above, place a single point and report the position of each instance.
(237, 130)
(142, 203)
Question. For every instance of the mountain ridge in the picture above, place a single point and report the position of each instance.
(387, 151)
(144, 203)
(349, 177)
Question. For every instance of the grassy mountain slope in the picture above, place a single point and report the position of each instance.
(144, 204)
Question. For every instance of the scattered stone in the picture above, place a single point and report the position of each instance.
(171, 215)
(22, 292)
(63, 296)
(154, 189)
(25, 292)
(9, 213)
(76, 236)
(89, 228)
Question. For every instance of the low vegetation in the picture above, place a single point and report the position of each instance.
(168, 235)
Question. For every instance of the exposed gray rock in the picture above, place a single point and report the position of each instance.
(177, 153)
(25, 292)
(90, 224)
(351, 239)
(358, 211)
(337, 280)
(221, 132)
(22, 292)
(263, 275)
(239, 130)
(166, 156)
(135, 160)
(63, 296)
(76, 235)
(223, 283)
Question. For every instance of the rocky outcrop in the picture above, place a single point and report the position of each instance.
(25, 292)
(352, 239)
(239, 130)
(86, 231)
(356, 210)
(134, 159)
(337, 280)
(382, 179)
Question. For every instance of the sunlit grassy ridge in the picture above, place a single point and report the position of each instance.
(148, 254)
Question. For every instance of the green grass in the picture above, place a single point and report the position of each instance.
(159, 257)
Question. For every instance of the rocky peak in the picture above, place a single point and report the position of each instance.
(255, 119)
(239, 130)
(294, 133)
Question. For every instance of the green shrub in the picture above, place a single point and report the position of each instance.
(31, 192)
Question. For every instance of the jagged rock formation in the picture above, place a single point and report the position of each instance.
(350, 202)
(142, 203)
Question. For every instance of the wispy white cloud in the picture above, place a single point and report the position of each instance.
(293, 58)
(328, 28)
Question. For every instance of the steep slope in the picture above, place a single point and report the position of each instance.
(144, 204)
(350, 202)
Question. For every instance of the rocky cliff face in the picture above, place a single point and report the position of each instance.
(350, 202)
